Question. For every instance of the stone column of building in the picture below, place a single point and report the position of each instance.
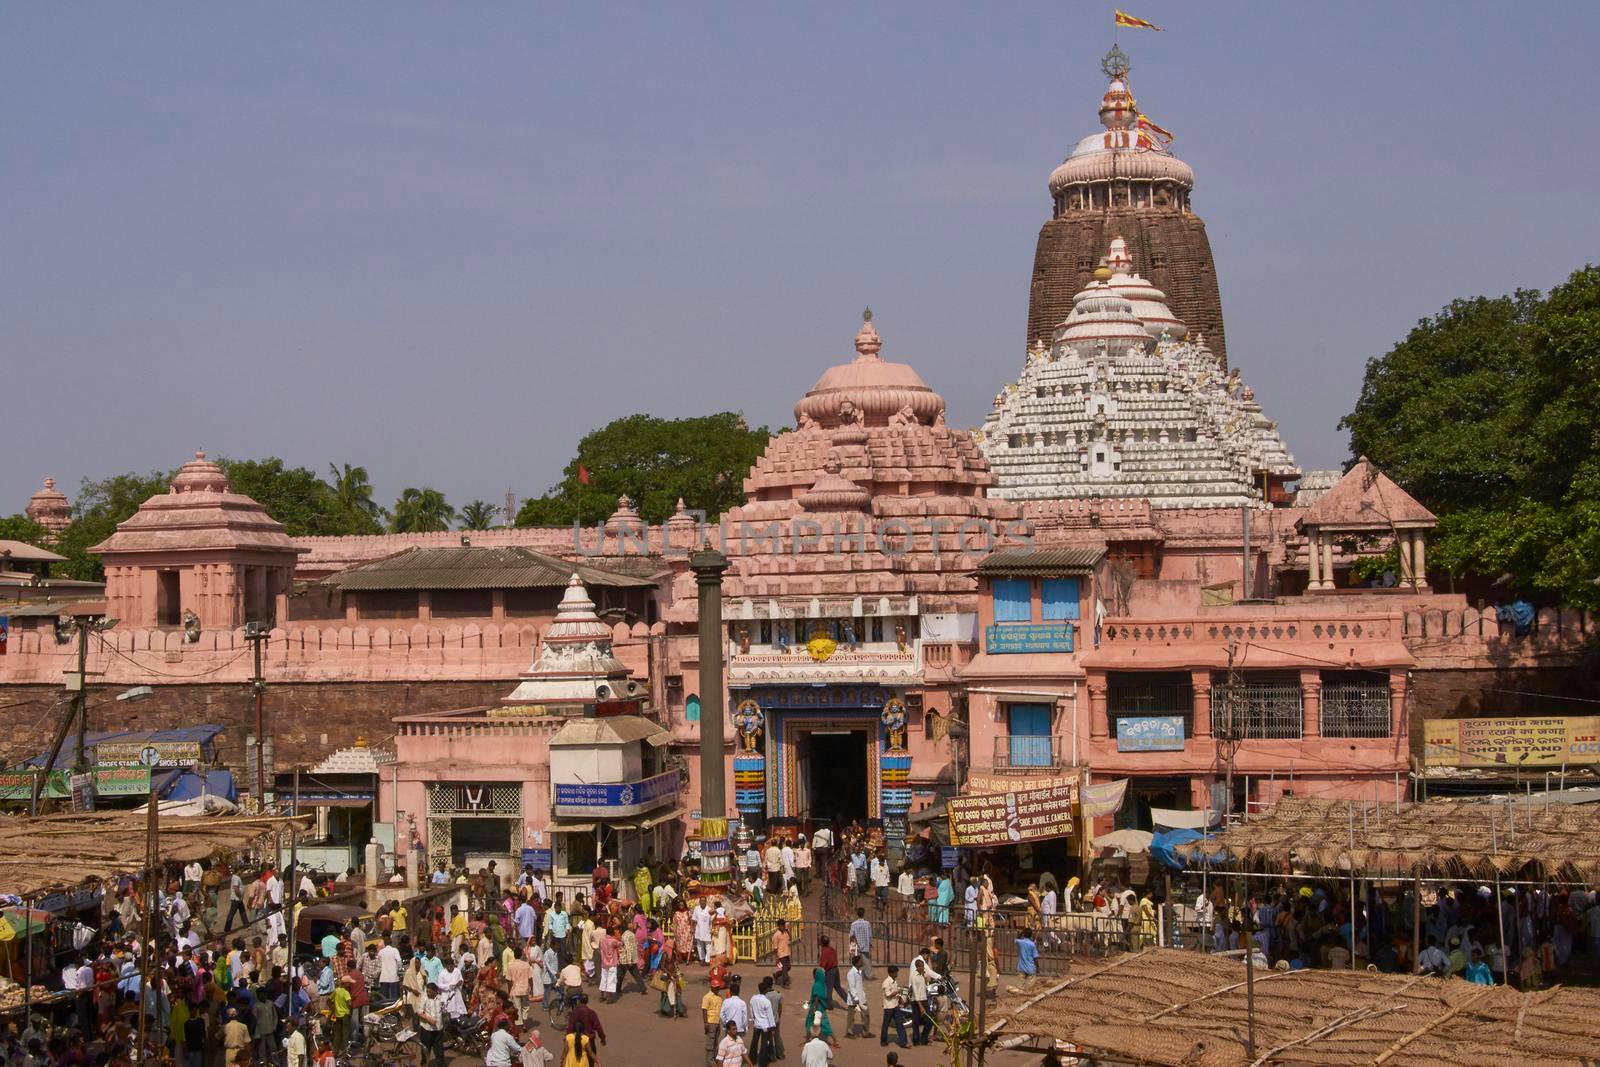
(1399, 683)
(1311, 703)
(1200, 681)
(1419, 558)
(1327, 559)
(1313, 562)
(715, 869)
(1099, 725)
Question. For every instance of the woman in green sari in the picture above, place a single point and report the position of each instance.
(641, 886)
(817, 1007)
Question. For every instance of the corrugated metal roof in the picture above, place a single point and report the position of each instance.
(32, 609)
(1039, 561)
(477, 568)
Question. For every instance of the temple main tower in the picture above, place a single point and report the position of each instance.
(1125, 182)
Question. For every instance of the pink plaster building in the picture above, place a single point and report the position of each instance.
(200, 550)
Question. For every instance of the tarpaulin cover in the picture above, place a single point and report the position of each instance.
(186, 785)
(1162, 844)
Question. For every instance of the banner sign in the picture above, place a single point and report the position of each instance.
(108, 782)
(540, 859)
(615, 799)
(949, 858)
(148, 753)
(1159, 733)
(1011, 818)
(1511, 743)
(1013, 637)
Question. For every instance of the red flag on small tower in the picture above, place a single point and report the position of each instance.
(583, 474)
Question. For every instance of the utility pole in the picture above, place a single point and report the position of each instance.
(1230, 739)
(80, 699)
(256, 634)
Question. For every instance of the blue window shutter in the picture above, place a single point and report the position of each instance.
(1029, 727)
(1013, 600)
(1060, 599)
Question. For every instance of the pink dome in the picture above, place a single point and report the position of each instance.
(200, 475)
(874, 389)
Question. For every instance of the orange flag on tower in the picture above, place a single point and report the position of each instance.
(1125, 19)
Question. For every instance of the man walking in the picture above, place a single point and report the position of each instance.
(763, 1048)
(861, 934)
(855, 1002)
(921, 1020)
(893, 1010)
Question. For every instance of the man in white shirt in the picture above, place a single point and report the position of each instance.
(921, 1021)
(816, 1052)
(763, 1047)
(307, 885)
(430, 1024)
(855, 1001)
(701, 918)
(735, 1010)
(786, 855)
(294, 1046)
(1432, 960)
(879, 875)
(906, 887)
(389, 967)
(893, 1010)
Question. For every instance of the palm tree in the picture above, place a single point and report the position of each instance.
(420, 511)
(354, 492)
(479, 515)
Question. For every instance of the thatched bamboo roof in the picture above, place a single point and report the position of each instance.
(54, 852)
(1450, 837)
(1166, 1007)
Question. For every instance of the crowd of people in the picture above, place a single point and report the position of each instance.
(1523, 937)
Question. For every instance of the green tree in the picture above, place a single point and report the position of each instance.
(421, 511)
(100, 506)
(653, 461)
(305, 504)
(21, 528)
(479, 515)
(1487, 414)
(353, 489)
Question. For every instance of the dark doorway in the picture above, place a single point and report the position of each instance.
(1147, 793)
(479, 837)
(169, 607)
(837, 778)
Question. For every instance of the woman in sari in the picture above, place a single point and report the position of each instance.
(817, 1007)
(939, 906)
(682, 932)
(671, 981)
(486, 989)
(641, 885)
(722, 934)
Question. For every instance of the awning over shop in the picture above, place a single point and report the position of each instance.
(573, 827)
(335, 802)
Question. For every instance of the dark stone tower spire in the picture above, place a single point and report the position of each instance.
(1124, 181)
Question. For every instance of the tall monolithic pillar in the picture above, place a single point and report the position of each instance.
(715, 867)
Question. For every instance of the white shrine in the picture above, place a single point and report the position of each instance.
(1124, 404)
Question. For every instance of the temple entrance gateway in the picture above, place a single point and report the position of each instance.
(831, 766)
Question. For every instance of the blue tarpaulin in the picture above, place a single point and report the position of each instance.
(202, 734)
(186, 785)
(1162, 847)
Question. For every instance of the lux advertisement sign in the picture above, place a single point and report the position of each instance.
(614, 798)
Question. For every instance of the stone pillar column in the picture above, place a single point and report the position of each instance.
(1399, 683)
(1099, 725)
(1201, 682)
(424, 605)
(1327, 558)
(1311, 703)
(715, 867)
(497, 605)
(1313, 563)
(1402, 544)
(1419, 555)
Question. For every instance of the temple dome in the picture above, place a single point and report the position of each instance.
(873, 388)
(1149, 303)
(200, 475)
(1100, 313)
(834, 492)
(1124, 151)
(49, 508)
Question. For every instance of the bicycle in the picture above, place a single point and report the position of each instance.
(559, 1008)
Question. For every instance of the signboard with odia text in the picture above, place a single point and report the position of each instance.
(1014, 817)
(1547, 741)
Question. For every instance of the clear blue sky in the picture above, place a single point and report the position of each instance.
(445, 240)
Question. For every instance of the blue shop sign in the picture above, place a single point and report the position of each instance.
(615, 798)
(1018, 637)
(1159, 733)
(949, 858)
(540, 859)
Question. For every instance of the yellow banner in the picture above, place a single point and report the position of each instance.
(1512, 743)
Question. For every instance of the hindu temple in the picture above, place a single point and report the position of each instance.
(1125, 403)
(1125, 181)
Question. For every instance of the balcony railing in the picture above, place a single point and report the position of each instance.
(1255, 711)
(1355, 709)
(1023, 754)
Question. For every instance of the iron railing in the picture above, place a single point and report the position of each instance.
(1139, 700)
(1256, 711)
(1020, 753)
(1355, 709)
